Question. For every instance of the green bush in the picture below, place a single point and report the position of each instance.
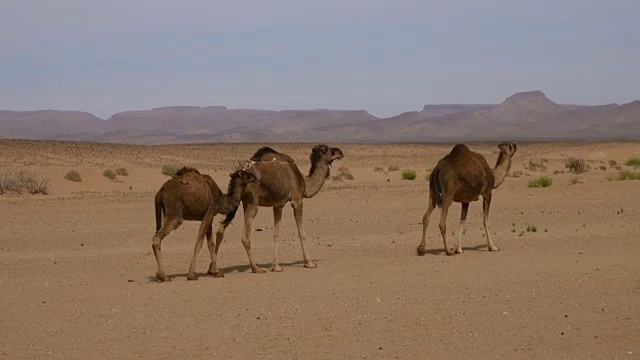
(110, 174)
(634, 161)
(532, 228)
(409, 174)
(542, 182)
(169, 170)
(628, 175)
(73, 175)
(122, 171)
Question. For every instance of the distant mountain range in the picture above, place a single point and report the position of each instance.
(522, 116)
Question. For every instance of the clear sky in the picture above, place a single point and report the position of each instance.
(386, 57)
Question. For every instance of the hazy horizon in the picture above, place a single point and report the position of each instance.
(386, 57)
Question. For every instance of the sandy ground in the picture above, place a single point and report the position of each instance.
(78, 271)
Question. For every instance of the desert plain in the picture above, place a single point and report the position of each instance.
(78, 273)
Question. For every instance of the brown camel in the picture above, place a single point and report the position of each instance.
(189, 195)
(280, 181)
(463, 176)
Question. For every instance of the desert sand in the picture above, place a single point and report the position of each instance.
(78, 272)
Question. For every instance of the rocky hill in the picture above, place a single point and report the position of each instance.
(522, 116)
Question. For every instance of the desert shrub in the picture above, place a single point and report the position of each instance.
(73, 175)
(628, 175)
(110, 174)
(409, 174)
(343, 174)
(378, 169)
(602, 167)
(516, 174)
(122, 171)
(24, 181)
(394, 168)
(576, 166)
(575, 180)
(170, 170)
(532, 228)
(634, 161)
(542, 181)
(538, 165)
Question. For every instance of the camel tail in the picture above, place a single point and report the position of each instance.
(159, 210)
(435, 188)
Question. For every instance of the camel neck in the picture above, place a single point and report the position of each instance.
(503, 164)
(317, 175)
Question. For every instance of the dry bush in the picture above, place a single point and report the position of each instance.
(538, 164)
(378, 169)
(576, 166)
(169, 170)
(394, 168)
(110, 174)
(343, 174)
(517, 174)
(73, 175)
(23, 181)
(122, 171)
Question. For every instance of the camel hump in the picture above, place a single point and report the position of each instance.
(266, 153)
(460, 149)
(186, 170)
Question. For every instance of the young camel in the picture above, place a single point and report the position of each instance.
(190, 195)
(280, 181)
(463, 176)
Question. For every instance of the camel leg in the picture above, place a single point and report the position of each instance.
(204, 228)
(167, 227)
(443, 224)
(277, 216)
(297, 213)
(213, 269)
(213, 251)
(486, 203)
(425, 221)
(463, 219)
(249, 214)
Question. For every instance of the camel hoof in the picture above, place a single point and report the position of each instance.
(259, 270)
(192, 277)
(494, 248)
(276, 268)
(310, 265)
(459, 251)
(449, 252)
(162, 277)
(421, 250)
(217, 274)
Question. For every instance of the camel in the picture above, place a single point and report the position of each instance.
(463, 176)
(190, 195)
(279, 181)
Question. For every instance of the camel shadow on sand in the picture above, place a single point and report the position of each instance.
(234, 269)
(440, 251)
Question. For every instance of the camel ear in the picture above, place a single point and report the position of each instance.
(230, 174)
(324, 149)
(513, 147)
(249, 177)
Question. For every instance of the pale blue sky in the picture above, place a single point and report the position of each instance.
(386, 57)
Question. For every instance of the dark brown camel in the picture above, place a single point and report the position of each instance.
(190, 195)
(463, 176)
(279, 181)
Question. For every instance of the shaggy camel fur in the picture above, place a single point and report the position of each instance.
(190, 195)
(463, 176)
(280, 181)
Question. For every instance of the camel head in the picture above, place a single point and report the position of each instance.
(326, 153)
(508, 148)
(240, 179)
